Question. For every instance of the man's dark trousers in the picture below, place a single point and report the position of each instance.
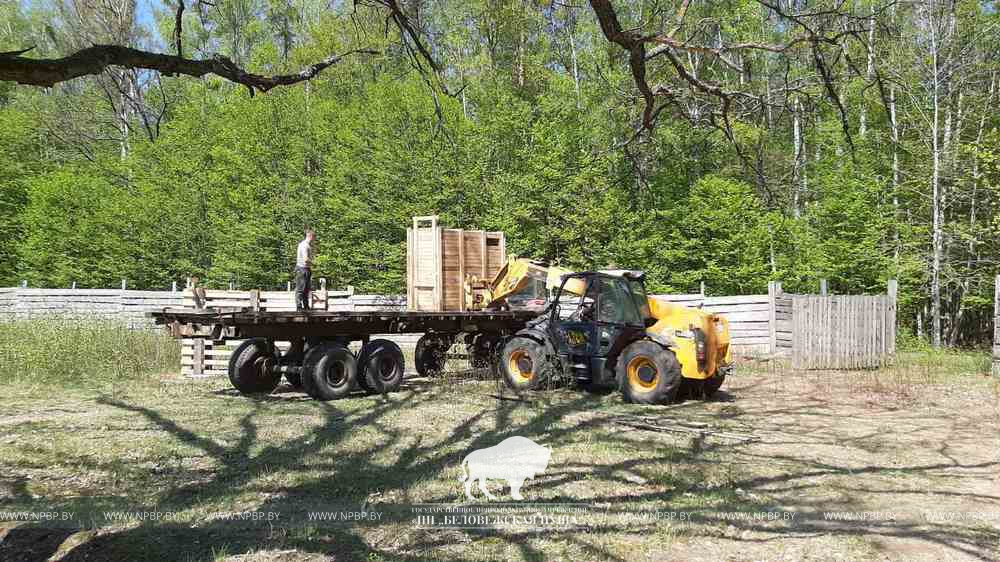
(303, 287)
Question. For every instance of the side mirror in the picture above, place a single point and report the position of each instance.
(649, 321)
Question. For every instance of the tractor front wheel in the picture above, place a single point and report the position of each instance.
(523, 363)
(648, 373)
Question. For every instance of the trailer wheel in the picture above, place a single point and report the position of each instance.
(429, 355)
(383, 366)
(522, 363)
(329, 371)
(648, 373)
(251, 367)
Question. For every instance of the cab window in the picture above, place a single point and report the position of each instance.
(640, 297)
(615, 304)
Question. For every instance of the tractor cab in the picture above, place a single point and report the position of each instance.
(593, 316)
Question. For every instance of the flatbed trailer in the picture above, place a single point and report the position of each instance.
(319, 359)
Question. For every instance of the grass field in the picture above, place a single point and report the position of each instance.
(910, 454)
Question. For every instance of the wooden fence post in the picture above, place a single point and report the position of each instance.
(996, 327)
(702, 288)
(198, 358)
(773, 290)
(173, 287)
(24, 283)
(890, 321)
(823, 287)
(123, 284)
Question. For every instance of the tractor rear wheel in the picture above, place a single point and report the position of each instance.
(383, 366)
(329, 371)
(522, 363)
(648, 373)
(251, 367)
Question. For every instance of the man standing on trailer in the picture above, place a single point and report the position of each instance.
(303, 271)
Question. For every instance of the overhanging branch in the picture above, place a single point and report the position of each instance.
(93, 60)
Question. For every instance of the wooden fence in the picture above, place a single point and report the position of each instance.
(843, 331)
(759, 324)
(126, 306)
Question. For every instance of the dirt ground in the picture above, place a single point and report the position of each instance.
(901, 464)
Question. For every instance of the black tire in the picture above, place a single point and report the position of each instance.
(383, 366)
(648, 373)
(329, 371)
(251, 367)
(428, 357)
(522, 363)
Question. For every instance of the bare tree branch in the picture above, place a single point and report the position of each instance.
(16, 53)
(93, 60)
(811, 31)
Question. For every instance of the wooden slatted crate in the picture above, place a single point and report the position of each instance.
(440, 259)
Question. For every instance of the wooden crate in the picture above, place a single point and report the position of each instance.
(438, 261)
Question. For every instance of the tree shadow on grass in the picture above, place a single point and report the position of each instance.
(337, 466)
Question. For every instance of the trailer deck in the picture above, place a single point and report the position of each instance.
(243, 323)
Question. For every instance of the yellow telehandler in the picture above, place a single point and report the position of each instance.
(601, 329)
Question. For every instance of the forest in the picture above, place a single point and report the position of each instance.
(729, 142)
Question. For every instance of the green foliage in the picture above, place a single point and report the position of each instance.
(18, 161)
(533, 142)
(718, 234)
(76, 230)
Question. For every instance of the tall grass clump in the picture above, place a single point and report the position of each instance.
(74, 352)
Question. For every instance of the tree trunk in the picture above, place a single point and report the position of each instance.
(895, 173)
(798, 167)
(863, 126)
(937, 246)
(576, 70)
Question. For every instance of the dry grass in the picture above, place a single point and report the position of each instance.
(68, 352)
(897, 439)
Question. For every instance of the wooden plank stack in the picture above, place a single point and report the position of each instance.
(439, 260)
